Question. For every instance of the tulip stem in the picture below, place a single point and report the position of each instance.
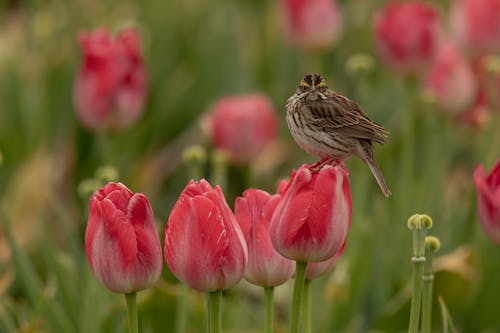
(131, 299)
(298, 288)
(306, 308)
(209, 314)
(182, 309)
(215, 311)
(269, 292)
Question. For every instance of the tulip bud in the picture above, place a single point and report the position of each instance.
(242, 126)
(312, 25)
(121, 241)
(111, 87)
(476, 24)
(407, 35)
(488, 200)
(266, 267)
(313, 216)
(204, 246)
(451, 80)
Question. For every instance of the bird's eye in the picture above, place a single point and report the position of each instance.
(322, 89)
(303, 88)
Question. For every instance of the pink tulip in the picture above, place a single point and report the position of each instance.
(451, 80)
(312, 25)
(121, 241)
(312, 219)
(407, 35)
(476, 24)
(316, 269)
(478, 115)
(111, 86)
(204, 246)
(242, 126)
(488, 200)
(266, 267)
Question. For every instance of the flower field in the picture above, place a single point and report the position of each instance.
(145, 151)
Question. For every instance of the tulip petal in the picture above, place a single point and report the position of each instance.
(120, 234)
(195, 242)
(148, 263)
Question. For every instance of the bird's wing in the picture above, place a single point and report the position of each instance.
(340, 115)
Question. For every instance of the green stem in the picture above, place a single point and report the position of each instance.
(298, 288)
(182, 310)
(209, 313)
(419, 225)
(306, 308)
(215, 309)
(131, 300)
(219, 168)
(269, 292)
(427, 303)
(105, 151)
(431, 246)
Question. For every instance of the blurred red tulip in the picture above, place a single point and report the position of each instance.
(488, 200)
(111, 86)
(451, 80)
(121, 241)
(478, 115)
(407, 35)
(316, 269)
(312, 219)
(476, 24)
(266, 267)
(204, 246)
(312, 25)
(242, 126)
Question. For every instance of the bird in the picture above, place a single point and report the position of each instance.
(333, 127)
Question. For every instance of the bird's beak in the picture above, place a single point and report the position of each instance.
(313, 95)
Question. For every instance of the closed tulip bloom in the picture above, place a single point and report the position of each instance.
(204, 246)
(312, 25)
(312, 219)
(451, 80)
(488, 200)
(266, 267)
(315, 270)
(242, 126)
(476, 24)
(111, 87)
(121, 241)
(407, 35)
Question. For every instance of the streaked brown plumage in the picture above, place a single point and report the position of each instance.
(332, 127)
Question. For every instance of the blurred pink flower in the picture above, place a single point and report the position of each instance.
(488, 200)
(451, 80)
(312, 219)
(407, 35)
(312, 25)
(476, 24)
(478, 115)
(316, 269)
(204, 246)
(121, 240)
(242, 126)
(111, 86)
(266, 267)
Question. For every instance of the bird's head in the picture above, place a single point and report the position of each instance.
(313, 87)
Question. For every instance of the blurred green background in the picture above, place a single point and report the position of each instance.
(196, 52)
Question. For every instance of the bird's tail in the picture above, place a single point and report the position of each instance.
(372, 164)
(369, 158)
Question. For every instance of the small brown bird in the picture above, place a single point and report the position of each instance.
(332, 127)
